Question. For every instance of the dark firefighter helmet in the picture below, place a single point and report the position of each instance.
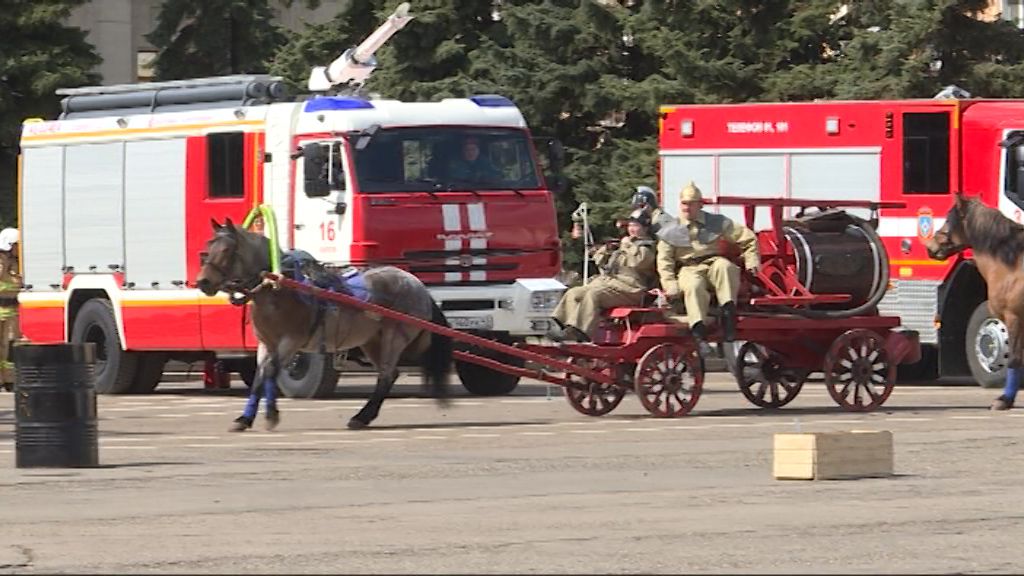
(645, 197)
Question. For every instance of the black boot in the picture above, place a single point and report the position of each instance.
(729, 322)
(574, 333)
(699, 332)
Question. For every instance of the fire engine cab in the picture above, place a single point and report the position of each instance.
(117, 194)
(919, 152)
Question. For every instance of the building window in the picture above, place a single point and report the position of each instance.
(226, 167)
(926, 153)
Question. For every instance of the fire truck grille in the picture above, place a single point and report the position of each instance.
(460, 268)
(914, 301)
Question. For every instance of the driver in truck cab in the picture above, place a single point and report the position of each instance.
(472, 166)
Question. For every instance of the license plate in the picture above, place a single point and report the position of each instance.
(472, 322)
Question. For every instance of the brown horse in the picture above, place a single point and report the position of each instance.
(997, 244)
(287, 322)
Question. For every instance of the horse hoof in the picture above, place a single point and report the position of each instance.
(356, 424)
(1002, 403)
(273, 419)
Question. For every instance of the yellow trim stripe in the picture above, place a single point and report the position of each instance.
(17, 207)
(214, 301)
(42, 304)
(918, 262)
(136, 131)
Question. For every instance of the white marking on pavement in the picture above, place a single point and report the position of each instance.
(478, 435)
(970, 417)
(426, 437)
(908, 419)
(536, 433)
(129, 447)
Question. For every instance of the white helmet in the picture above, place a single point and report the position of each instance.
(8, 237)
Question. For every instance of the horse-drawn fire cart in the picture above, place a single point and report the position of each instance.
(810, 309)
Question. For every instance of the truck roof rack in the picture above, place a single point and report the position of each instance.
(171, 96)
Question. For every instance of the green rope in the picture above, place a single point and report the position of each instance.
(270, 224)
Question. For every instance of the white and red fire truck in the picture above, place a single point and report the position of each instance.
(915, 151)
(116, 198)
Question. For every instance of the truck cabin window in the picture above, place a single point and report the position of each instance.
(446, 159)
(926, 153)
(1013, 179)
(322, 168)
(225, 162)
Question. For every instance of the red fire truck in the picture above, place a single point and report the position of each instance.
(915, 151)
(116, 198)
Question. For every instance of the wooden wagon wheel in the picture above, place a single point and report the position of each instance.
(858, 373)
(669, 379)
(763, 378)
(589, 397)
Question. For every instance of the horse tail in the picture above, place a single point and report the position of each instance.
(437, 360)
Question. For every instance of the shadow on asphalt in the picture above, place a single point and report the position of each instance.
(456, 425)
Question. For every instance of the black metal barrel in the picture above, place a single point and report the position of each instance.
(55, 406)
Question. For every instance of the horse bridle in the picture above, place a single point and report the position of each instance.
(239, 291)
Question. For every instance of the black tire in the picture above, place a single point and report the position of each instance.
(481, 381)
(925, 370)
(987, 348)
(246, 370)
(308, 376)
(115, 369)
(149, 372)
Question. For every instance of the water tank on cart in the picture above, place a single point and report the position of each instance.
(837, 253)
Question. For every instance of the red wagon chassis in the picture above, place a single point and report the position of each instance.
(651, 352)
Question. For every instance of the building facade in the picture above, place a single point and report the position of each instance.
(117, 29)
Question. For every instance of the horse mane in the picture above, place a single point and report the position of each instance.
(990, 232)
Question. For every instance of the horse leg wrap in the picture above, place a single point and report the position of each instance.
(252, 405)
(270, 393)
(1012, 384)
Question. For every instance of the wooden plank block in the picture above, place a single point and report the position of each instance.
(833, 455)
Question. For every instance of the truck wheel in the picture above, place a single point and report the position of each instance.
(115, 368)
(987, 348)
(308, 376)
(482, 381)
(149, 372)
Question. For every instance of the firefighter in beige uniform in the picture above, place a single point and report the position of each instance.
(10, 284)
(627, 273)
(690, 264)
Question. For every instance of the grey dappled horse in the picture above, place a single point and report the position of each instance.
(288, 322)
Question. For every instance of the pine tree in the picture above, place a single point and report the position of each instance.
(39, 55)
(913, 49)
(196, 38)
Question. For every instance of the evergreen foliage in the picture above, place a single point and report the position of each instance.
(39, 54)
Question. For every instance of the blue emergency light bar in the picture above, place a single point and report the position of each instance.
(336, 103)
(491, 100)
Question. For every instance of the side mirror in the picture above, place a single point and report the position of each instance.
(314, 163)
(363, 140)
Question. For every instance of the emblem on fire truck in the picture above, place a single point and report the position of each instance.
(925, 223)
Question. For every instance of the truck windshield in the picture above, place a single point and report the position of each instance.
(440, 159)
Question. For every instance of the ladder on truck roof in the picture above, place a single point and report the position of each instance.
(349, 71)
(171, 96)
